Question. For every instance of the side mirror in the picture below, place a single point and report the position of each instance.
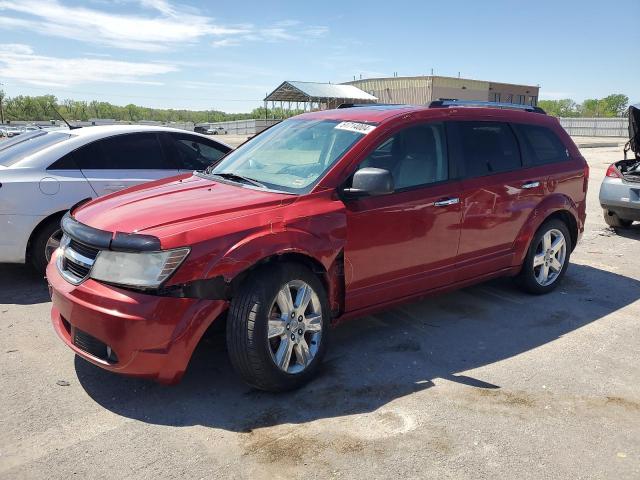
(370, 181)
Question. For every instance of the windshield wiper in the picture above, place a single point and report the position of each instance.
(235, 176)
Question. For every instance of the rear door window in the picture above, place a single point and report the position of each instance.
(133, 151)
(488, 148)
(542, 145)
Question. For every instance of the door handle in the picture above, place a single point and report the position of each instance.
(531, 184)
(114, 187)
(446, 201)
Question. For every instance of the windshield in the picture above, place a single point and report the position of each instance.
(14, 150)
(291, 156)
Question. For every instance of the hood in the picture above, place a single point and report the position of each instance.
(174, 205)
(634, 128)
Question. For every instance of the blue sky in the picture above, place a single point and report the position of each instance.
(227, 55)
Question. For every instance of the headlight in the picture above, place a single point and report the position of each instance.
(144, 270)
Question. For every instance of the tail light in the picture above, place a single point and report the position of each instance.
(613, 172)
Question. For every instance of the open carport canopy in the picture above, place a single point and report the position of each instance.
(328, 93)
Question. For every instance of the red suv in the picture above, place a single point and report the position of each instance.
(321, 218)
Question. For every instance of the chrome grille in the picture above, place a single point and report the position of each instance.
(75, 260)
(83, 249)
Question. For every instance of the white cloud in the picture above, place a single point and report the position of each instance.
(160, 25)
(17, 48)
(315, 31)
(18, 62)
(170, 27)
(283, 31)
(226, 42)
(276, 33)
(162, 6)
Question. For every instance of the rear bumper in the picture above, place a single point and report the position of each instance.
(149, 336)
(620, 197)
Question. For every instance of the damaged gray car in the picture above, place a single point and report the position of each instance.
(620, 189)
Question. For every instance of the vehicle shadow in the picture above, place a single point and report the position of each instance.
(21, 285)
(632, 232)
(374, 360)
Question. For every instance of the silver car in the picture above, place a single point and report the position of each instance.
(620, 189)
(46, 172)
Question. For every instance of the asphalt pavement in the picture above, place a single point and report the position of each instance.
(486, 382)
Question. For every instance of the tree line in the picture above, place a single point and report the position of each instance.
(614, 105)
(38, 108)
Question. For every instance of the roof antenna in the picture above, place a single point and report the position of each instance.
(71, 127)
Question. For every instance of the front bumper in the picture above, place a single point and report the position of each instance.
(147, 335)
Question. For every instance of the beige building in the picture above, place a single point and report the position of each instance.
(424, 89)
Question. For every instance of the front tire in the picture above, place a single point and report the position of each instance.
(277, 327)
(613, 220)
(547, 259)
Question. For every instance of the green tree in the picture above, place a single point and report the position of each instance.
(560, 108)
(613, 105)
(616, 104)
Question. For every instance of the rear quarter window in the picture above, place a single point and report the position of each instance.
(541, 144)
(22, 146)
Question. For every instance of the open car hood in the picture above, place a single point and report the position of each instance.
(634, 129)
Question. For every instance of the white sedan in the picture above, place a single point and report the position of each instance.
(44, 173)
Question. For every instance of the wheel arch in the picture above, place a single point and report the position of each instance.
(58, 214)
(332, 278)
(571, 223)
(556, 206)
(38, 228)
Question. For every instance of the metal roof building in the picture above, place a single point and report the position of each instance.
(423, 89)
(316, 96)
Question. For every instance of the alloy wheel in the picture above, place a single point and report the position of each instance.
(295, 327)
(550, 256)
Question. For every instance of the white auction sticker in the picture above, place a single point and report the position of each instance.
(356, 127)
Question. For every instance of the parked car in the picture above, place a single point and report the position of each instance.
(209, 130)
(45, 172)
(321, 218)
(620, 189)
(12, 132)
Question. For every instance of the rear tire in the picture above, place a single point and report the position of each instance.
(273, 347)
(613, 220)
(543, 268)
(44, 243)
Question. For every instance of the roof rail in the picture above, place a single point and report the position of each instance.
(481, 103)
(354, 105)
